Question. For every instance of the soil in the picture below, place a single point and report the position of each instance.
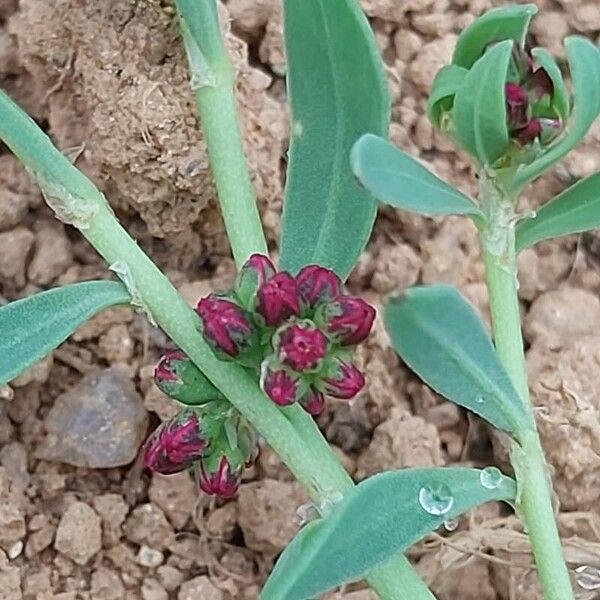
(108, 81)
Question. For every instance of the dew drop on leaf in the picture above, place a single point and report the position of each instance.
(479, 399)
(490, 478)
(436, 498)
(588, 577)
(451, 525)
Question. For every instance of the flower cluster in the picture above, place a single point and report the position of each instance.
(200, 439)
(208, 437)
(528, 101)
(296, 332)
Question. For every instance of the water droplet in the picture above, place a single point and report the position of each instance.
(451, 525)
(329, 500)
(479, 399)
(306, 513)
(436, 498)
(588, 577)
(490, 478)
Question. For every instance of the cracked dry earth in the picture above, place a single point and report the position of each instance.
(109, 83)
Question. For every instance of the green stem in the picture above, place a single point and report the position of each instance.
(535, 494)
(213, 79)
(292, 434)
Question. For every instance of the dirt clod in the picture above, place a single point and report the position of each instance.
(79, 534)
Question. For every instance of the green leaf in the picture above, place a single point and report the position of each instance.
(560, 95)
(399, 180)
(575, 210)
(440, 336)
(377, 518)
(338, 91)
(506, 23)
(447, 82)
(584, 64)
(34, 326)
(479, 114)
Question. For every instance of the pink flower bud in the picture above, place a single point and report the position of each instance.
(540, 83)
(313, 402)
(302, 346)
(218, 477)
(227, 327)
(280, 385)
(278, 299)
(517, 103)
(317, 284)
(178, 377)
(349, 320)
(257, 270)
(345, 382)
(175, 444)
(529, 132)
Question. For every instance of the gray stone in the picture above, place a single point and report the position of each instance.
(99, 423)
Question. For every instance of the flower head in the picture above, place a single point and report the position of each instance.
(281, 385)
(348, 320)
(301, 346)
(218, 477)
(278, 299)
(178, 377)
(227, 327)
(313, 402)
(345, 381)
(517, 104)
(175, 444)
(317, 285)
(257, 270)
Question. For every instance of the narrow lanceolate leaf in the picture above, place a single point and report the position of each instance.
(506, 23)
(560, 95)
(381, 516)
(575, 210)
(34, 326)
(338, 92)
(396, 178)
(440, 336)
(479, 113)
(447, 82)
(584, 65)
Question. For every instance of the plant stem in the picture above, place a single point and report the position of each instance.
(292, 433)
(213, 80)
(534, 499)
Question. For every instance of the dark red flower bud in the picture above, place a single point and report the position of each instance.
(517, 103)
(175, 444)
(282, 386)
(257, 270)
(217, 476)
(178, 377)
(345, 382)
(317, 284)
(529, 132)
(278, 299)
(349, 320)
(227, 327)
(301, 346)
(313, 402)
(540, 84)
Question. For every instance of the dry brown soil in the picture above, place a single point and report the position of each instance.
(109, 83)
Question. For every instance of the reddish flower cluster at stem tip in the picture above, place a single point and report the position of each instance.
(295, 332)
